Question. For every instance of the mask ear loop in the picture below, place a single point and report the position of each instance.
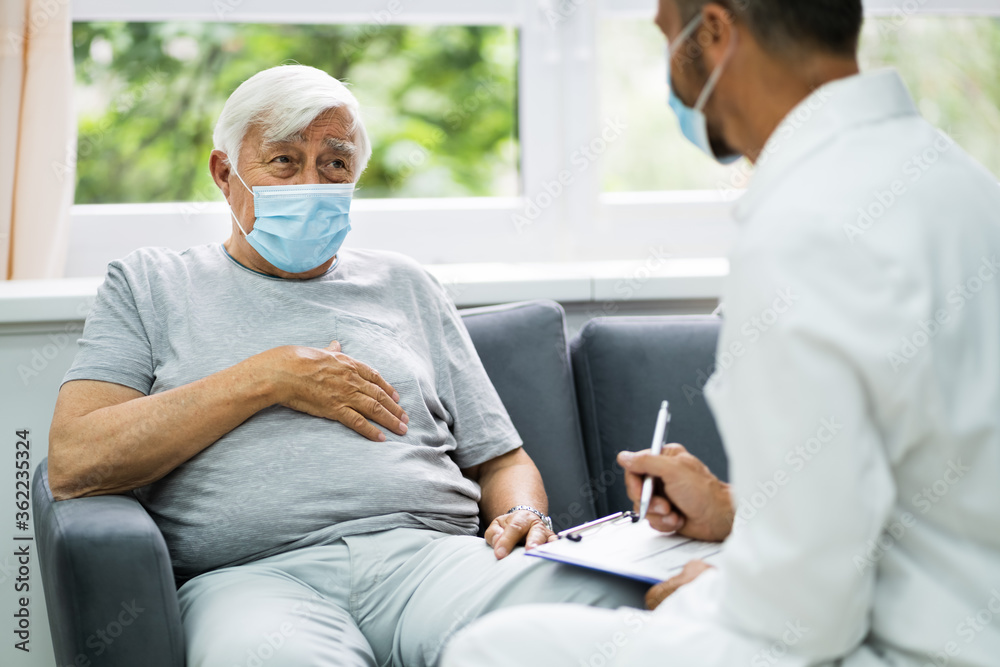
(242, 181)
(231, 208)
(685, 35)
(237, 221)
(713, 80)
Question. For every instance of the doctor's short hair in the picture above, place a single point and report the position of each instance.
(284, 101)
(787, 27)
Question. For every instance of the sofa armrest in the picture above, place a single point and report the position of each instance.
(109, 585)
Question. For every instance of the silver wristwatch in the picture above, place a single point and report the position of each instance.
(546, 520)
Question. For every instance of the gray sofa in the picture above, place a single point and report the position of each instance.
(106, 568)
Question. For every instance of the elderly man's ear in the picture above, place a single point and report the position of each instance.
(218, 164)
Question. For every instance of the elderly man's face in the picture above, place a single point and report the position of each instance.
(324, 152)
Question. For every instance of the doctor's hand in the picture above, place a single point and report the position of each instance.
(662, 591)
(327, 383)
(687, 499)
(509, 530)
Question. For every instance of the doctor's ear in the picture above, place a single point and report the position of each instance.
(218, 165)
(716, 33)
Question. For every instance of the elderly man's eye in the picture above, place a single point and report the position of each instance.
(281, 159)
(338, 164)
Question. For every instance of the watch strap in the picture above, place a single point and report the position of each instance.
(545, 519)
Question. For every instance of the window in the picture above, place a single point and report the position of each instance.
(653, 155)
(950, 65)
(438, 101)
(583, 159)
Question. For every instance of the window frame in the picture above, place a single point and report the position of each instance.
(562, 214)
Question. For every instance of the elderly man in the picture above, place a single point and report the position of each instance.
(862, 420)
(311, 429)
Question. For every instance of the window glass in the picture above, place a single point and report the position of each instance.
(950, 65)
(652, 154)
(439, 103)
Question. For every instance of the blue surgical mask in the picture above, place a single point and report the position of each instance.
(693, 122)
(298, 227)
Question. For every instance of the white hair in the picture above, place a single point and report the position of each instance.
(284, 101)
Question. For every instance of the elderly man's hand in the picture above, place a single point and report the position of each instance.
(662, 591)
(509, 530)
(690, 499)
(327, 383)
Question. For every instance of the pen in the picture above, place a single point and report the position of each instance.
(659, 435)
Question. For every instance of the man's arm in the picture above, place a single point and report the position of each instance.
(689, 498)
(109, 438)
(792, 561)
(507, 481)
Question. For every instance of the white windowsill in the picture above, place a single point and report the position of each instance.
(67, 299)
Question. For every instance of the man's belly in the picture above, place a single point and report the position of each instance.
(284, 476)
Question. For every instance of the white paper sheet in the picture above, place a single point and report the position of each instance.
(633, 550)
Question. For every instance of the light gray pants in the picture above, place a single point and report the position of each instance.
(390, 598)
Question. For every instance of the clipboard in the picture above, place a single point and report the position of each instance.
(620, 544)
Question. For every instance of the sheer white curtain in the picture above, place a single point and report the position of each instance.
(37, 137)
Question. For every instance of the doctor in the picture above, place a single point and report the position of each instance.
(861, 407)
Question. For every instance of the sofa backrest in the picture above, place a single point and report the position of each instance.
(524, 349)
(624, 367)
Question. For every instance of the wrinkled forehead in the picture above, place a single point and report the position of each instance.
(334, 129)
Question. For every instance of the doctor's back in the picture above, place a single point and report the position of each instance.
(863, 320)
(857, 376)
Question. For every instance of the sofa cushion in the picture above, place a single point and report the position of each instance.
(624, 367)
(524, 349)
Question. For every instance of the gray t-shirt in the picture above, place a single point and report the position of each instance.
(284, 479)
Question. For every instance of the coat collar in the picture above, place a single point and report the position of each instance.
(829, 112)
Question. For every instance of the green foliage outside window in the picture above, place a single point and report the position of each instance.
(439, 103)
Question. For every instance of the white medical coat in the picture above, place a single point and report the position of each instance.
(857, 390)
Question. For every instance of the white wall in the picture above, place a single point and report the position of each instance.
(33, 358)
